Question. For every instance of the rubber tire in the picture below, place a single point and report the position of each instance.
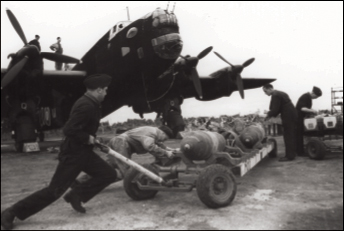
(206, 180)
(316, 149)
(273, 153)
(133, 190)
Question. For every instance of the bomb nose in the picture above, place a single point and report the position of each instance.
(187, 147)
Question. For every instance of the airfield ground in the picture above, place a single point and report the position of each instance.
(297, 195)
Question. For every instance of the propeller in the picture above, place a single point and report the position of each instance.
(16, 25)
(191, 63)
(237, 69)
(28, 52)
(13, 72)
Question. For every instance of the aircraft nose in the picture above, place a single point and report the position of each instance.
(168, 46)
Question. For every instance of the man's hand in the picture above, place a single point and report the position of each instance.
(170, 154)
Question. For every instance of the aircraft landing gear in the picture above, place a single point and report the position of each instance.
(24, 131)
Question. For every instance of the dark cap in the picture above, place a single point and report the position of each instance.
(58, 38)
(97, 81)
(37, 36)
(167, 131)
(317, 91)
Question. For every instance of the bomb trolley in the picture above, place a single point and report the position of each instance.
(319, 129)
(213, 177)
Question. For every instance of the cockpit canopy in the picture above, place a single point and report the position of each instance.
(162, 18)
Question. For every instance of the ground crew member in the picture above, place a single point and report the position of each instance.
(76, 155)
(172, 115)
(36, 43)
(57, 47)
(281, 104)
(304, 107)
(139, 140)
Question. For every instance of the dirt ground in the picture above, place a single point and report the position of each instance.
(298, 195)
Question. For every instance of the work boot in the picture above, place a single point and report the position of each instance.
(7, 218)
(72, 198)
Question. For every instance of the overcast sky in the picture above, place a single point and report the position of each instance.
(298, 43)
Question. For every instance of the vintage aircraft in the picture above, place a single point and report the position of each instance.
(144, 59)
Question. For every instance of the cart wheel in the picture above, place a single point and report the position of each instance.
(216, 186)
(131, 187)
(316, 149)
(273, 153)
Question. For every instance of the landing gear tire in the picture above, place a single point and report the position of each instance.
(131, 187)
(216, 186)
(316, 149)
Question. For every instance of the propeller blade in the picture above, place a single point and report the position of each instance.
(248, 62)
(13, 72)
(218, 55)
(240, 86)
(16, 26)
(204, 53)
(59, 58)
(197, 82)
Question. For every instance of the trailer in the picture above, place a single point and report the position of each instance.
(319, 129)
(214, 177)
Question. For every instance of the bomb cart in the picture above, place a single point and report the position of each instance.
(319, 129)
(204, 162)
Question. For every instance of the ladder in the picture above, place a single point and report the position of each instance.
(336, 99)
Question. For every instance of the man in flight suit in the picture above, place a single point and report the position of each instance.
(76, 156)
(304, 107)
(281, 104)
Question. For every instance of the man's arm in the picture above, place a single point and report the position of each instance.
(78, 120)
(309, 110)
(150, 145)
(275, 106)
(53, 47)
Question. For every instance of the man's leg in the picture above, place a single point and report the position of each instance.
(67, 170)
(299, 138)
(289, 140)
(102, 175)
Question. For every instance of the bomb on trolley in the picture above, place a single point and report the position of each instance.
(204, 162)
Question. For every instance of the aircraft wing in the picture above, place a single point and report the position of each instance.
(215, 87)
(63, 81)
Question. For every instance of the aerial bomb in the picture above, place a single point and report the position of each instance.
(201, 145)
(251, 137)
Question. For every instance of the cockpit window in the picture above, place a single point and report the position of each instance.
(117, 28)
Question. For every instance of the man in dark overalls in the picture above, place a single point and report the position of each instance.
(281, 104)
(76, 156)
(304, 107)
(57, 47)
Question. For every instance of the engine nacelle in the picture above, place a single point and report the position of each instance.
(201, 145)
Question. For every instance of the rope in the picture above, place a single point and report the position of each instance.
(174, 78)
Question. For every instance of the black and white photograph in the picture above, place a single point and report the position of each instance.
(171, 115)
